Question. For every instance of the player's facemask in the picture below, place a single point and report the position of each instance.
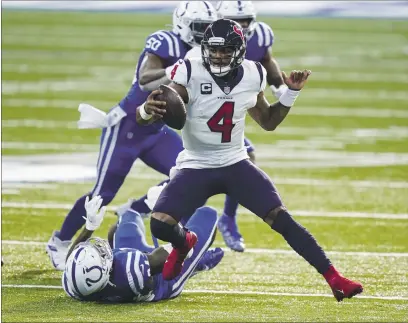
(223, 47)
(220, 58)
(197, 31)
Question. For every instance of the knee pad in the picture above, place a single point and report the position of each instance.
(158, 227)
(274, 214)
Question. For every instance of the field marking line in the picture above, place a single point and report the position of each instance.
(303, 213)
(234, 292)
(255, 250)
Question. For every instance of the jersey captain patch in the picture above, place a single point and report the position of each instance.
(206, 88)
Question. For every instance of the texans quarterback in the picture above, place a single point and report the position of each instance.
(130, 271)
(123, 140)
(218, 90)
(260, 39)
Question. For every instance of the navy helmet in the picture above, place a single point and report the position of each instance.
(223, 47)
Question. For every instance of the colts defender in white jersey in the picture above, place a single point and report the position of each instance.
(218, 91)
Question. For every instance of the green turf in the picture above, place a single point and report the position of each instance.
(52, 61)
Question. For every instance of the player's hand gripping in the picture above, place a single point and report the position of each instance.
(93, 217)
(155, 108)
(297, 79)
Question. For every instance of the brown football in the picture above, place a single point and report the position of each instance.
(176, 114)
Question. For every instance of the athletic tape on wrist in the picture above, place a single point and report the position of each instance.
(143, 113)
(289, 97)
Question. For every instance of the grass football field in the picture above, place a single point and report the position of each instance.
(339, 160)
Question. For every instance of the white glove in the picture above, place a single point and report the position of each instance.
(92, 117)
(153, 195)
(277, 92)
(93, 218)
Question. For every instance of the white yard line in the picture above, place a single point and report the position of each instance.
(141, 171)
(47, 146)
(144, 173)
(234, 292)
(254, 250)
(303, 110)
(44, 186)
(41, 124)
(93, 84)
(305, 213)
(79, 70)
(10, 191)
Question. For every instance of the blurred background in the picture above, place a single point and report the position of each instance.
(340, 159)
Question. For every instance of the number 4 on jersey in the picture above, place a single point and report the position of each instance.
(224, 113)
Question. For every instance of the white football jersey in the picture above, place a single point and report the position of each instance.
(213, 135)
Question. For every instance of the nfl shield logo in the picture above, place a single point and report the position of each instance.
(227, 89)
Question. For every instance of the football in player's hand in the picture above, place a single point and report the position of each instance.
(176, 114)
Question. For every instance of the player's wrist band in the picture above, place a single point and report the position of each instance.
(289, 97)
(143, 113)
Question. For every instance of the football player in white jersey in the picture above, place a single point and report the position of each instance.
(218, 90)
(260, 39)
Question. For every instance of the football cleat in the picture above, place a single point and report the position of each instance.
(174, 263)
(341, 286)
(57, 250)
(227, 225)
(209, 260)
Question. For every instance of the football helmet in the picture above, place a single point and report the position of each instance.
(191, 19)
(223, 47)
(238, 10)
(87, 268)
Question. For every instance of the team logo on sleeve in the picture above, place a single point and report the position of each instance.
(206, 88)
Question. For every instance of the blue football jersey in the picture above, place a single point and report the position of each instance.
(130, 280)
(166, 45)
(259, 43)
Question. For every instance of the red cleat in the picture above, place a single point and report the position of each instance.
(341, 286)
(174, 263)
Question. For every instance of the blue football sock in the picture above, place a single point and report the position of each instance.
(230, 206)
(74, 220)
